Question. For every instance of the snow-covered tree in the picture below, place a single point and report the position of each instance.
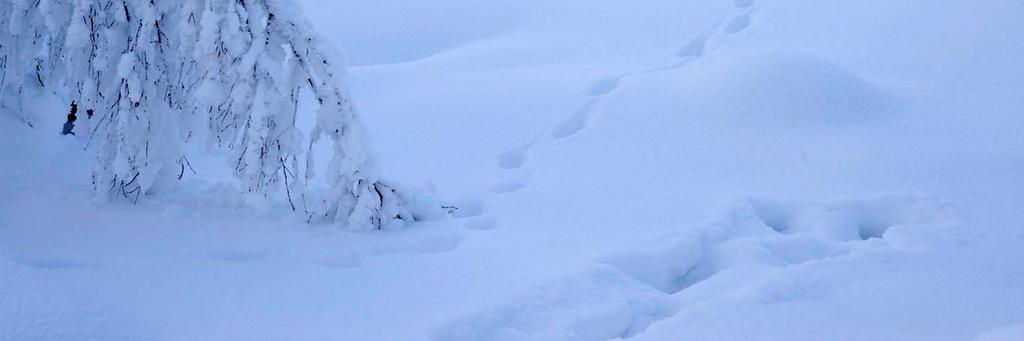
(29, 50)
(162, 74)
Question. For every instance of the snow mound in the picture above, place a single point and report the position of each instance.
(789, 89)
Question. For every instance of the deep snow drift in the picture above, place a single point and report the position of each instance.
(660, 170)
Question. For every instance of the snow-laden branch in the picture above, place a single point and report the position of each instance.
(165, 73)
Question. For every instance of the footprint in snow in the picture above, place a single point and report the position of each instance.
(695, 48)
(790, 232)
(851, 219)
(738, 23)
(634, 290)
(573, 124)
(513, 158)
(516, 157)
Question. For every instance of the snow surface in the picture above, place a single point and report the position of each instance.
(654, 170)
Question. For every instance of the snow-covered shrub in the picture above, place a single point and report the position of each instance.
(162, 74)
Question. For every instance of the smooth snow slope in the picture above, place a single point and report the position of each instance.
(658, 170)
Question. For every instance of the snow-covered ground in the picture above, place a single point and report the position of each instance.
(655, 170)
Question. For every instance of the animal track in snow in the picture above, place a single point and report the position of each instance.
(629, 291)
(513, 158)
(737, 23)
(600, 88)
(663, 267)
(633, 290)
(849, 219)
(573, 124)
(695, 48)
(778, 233)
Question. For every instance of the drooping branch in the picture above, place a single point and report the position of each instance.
(226, 73)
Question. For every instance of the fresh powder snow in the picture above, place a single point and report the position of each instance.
(517, 170)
